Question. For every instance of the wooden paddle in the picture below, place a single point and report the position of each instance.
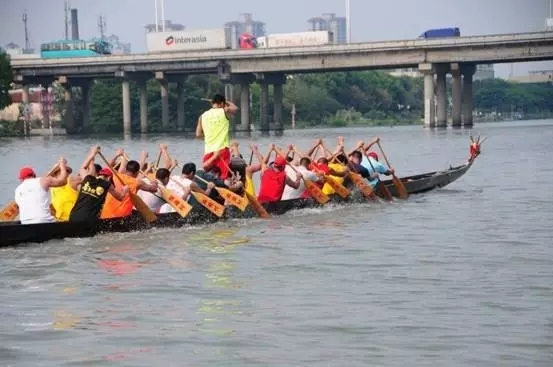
(176, 202)
(336, 186)
(11, 210)
(313, 189)
(252, 200)
(204, 200)
(400, 187)
(144, 210)
(232, 197)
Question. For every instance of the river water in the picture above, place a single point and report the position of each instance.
(462, 276)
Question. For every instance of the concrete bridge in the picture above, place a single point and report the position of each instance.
(435, 58)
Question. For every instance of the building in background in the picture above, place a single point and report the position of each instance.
(536, 76)
(484, 71)
(118, 47)
(330, 22)
(245, 24)
(169, 27)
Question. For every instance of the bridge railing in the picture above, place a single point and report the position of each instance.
(490, 40)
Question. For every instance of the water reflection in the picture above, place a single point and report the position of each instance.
(219, 311)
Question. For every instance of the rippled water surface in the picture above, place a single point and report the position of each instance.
(462, 276)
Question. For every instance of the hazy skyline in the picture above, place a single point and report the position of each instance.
(370, 20)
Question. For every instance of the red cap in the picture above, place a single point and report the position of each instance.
(373, 155)
(26, 172)
(105, 172)
(280, 161)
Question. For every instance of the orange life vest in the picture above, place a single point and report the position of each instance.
(114, 208)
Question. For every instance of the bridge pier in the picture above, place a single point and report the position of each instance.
(164, 90)
(86, 87)
(264, 109)
(456, 90)
(181, 100)
(143, 101)
(468, 102)
(277, 108)
(245, 111)
(126, 94)
(441, 96)
(429, 107)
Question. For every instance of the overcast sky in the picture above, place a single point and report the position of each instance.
(371, 20)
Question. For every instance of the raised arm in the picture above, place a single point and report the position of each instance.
(87, 168)
(59, 180)
(199, 129)
(230, 108)
(311, 151)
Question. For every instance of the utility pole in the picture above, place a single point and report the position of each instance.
(67, 9)
(27, 42)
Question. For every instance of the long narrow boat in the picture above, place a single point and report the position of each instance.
(14, 233)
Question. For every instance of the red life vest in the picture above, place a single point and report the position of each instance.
(272, 186)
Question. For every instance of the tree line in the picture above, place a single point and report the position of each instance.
(331, 99)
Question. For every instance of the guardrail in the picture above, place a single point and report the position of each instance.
(489, 40)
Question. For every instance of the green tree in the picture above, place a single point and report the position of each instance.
(6, 77)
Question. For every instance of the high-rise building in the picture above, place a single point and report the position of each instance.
(484, 71)
(330, 22)
(245, 24)
(169, 27)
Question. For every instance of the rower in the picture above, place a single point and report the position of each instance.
(214, 126)
(274, 180)
(33, 196)
(155, 200)
(64, 197)
(338, 170)
(183, 184)
(235, 183)
(114, 208)
(303, 167)
(97, 182)
(354, 164)
(371, 163)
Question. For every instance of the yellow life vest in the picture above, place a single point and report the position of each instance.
(63, 199)
(215, 126)
(249, 188)
(327, 189)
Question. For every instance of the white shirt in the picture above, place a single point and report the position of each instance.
(33, 202)
(179, 188)
(291, 193)
(153, 200)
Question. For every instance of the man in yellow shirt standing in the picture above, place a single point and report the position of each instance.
(213, 126)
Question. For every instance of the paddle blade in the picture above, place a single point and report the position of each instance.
(233, 198)
(337, 187)
(177, 203)
(9, 212)
(144, 210)
(400, 187)
(383, 192)
(362, 185)
(209, 203)
(316, 192)
(259, 209)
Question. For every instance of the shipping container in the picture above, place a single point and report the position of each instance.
(315, 38)
(188, 40)
(441, 33)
